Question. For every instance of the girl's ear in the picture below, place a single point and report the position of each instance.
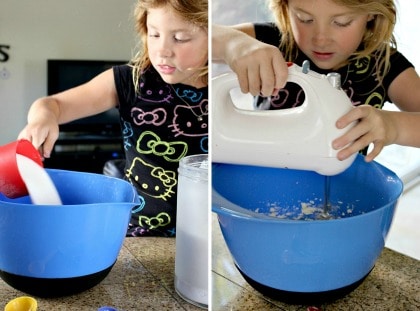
(371, 17)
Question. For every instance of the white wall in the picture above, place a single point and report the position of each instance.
(37, 30)
(239, 11)
(407, 30)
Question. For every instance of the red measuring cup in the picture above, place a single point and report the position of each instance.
(11, 183)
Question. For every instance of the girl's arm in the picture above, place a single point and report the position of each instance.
(46, 113)
(404, 91)
(226, 37)
(260, 67)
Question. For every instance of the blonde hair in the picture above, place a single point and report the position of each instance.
(378, 39)
(193, 11)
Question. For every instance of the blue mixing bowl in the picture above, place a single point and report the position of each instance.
(304, 260)
(60, 250)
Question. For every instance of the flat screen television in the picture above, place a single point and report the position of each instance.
(63, 74)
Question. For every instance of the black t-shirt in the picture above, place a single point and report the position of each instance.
(358, 78)
(160, 125)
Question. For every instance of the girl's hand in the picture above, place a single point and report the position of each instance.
(42, 128)
(373, 126)
(260, 67)
(42, 135)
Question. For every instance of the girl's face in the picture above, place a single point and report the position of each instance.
(177, 48)
(326, 32)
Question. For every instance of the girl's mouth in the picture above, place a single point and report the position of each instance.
(166, 69)
(322, 56)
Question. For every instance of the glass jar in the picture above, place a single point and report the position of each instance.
(191, 257)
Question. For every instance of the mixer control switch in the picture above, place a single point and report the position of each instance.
(306, 66)
(335, 80)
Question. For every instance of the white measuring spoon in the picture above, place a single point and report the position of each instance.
(40, 187)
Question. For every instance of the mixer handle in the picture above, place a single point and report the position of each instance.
(264, 102)
(229, 82)
(298, 137)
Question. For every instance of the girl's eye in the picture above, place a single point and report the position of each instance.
(303, 18)
(306, 21)
(153, 35)
(181, 39)
(343, 24)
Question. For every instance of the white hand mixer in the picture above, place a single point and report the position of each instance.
(294, 138)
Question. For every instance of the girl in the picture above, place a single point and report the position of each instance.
(351, 37)
(162, 100)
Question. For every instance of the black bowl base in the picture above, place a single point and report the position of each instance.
(49, 288)
(302, 298)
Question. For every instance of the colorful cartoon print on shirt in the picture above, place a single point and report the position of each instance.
(154, 181)
(162, 124)
(358, 71)
(189, 118)
(160, 220)
(127, 132)
(152, 144)
(162, 95)
(156, 117)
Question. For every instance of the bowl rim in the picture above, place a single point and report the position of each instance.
(17, 204)
(271, 219)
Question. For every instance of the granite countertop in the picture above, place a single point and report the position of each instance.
(141, 279)
(393, 284)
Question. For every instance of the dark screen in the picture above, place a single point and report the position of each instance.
(65, 74)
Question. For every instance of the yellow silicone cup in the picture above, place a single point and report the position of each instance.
(23, 303)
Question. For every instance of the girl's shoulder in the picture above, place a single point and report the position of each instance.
(123, 79)
(268, 33)
(365, 68)
(123, 70)
(399, 63)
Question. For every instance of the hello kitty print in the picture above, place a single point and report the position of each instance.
(160, 125)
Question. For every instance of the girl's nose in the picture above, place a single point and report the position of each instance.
(165, 48)
(321, 35)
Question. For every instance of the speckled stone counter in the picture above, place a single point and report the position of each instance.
(141, 279)
(393, 284)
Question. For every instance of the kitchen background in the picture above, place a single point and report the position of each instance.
(33, 31)
(404, 236)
